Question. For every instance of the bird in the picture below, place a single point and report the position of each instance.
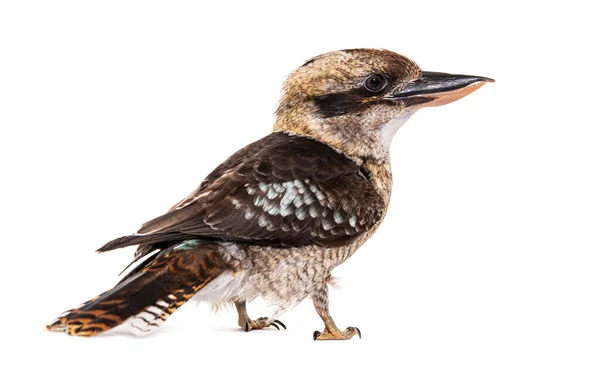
(274, 219)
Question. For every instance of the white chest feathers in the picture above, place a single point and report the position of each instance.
(388, 130)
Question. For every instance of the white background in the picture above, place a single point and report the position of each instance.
(489, 257)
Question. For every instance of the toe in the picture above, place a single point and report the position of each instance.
(280, 323)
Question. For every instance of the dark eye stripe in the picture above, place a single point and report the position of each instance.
(337, 104)
(346, 102)
(350, 101)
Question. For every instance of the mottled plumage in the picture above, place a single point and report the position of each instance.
(279, 215)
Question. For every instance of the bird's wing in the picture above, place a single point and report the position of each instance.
(282, 190)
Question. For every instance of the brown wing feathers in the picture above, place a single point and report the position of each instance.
(281, 191)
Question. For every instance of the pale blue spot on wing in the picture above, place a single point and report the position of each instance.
(259, 201)
(352, 220)
(301, 213)
(187, 244)
(327, 224)
(338, 217)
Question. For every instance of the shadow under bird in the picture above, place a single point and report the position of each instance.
(279, 215)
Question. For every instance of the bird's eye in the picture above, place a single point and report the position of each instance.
(375, 83)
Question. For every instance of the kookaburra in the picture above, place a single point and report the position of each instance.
(279, 215)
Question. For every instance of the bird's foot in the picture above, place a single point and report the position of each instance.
(337, 334)
(260, 323)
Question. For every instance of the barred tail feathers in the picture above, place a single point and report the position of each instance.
(147, 299)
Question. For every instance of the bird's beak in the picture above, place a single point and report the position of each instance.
(433, 89)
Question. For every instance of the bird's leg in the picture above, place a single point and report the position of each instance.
(247, 324)
(321, 302)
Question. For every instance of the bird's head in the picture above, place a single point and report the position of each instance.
(355, 100)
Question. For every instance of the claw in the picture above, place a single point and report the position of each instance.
(280, 323)
(247, 328)
(316, 334)
(359, 334)
(275, 325)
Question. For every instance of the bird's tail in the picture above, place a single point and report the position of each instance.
(149, 296)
